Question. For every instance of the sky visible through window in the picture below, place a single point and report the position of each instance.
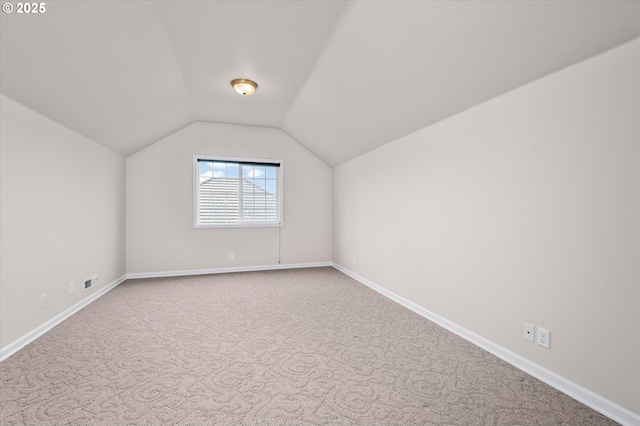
(263, 177)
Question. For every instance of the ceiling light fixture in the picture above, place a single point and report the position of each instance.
(244, 86)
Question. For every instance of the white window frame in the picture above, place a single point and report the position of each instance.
(242, 224)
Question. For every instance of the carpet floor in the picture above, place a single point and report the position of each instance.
(289, 347)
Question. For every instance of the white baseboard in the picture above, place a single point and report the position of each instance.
(579, 393)
(188, 272)
(575, 391)
(23, 341)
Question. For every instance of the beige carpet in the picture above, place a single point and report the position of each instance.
(293, 347)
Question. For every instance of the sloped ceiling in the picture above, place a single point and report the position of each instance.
(342, 78)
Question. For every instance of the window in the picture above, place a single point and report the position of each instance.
(231, 192)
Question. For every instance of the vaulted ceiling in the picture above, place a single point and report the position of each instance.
(342, 78)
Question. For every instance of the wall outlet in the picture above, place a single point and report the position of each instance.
(544, 338)
(43, 301)
(354, 260)
(230, 256)
(529, 332)
(72, 287)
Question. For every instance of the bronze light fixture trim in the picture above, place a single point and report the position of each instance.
(244, 86)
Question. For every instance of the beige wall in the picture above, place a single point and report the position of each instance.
(525, 208)
(62, 218)
(160, 233)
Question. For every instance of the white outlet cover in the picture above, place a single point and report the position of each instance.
(544, 338)
(529, 332)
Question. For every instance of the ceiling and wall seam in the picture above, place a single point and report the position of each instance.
(179, 65)
(321, 56)
(340, 78)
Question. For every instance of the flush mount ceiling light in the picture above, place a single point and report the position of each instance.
(244, 86)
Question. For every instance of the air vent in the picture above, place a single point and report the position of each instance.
(90, 282)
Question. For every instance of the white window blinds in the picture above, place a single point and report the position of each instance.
(238, 192)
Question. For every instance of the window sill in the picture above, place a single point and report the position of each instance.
(241, 225)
